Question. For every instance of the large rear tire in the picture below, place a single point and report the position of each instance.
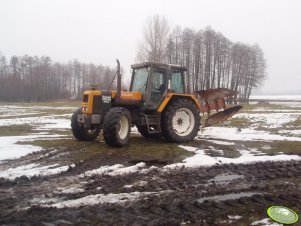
(117, 127)
(79, 131)
(181, 121)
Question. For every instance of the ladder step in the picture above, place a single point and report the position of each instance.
(153, 121)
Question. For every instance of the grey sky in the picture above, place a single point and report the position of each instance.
(101, 31)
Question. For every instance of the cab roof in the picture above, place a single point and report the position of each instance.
(158, 64)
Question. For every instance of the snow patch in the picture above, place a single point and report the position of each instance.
(53, 122)
(225, 178)
(15, 111)
(10, 115)
(276, 97)
(127, 170)
(48, 154)
(11, 149)
(219, 142)
(101, 198)
(292, 132)
(33, 107)
(15, 115)
(100, 171)
(235, 134)
(246, 157)
(268, 110)
(236, 217)
(114, 170)
(70, 190)
(32, 170)
(134, 129)
(144, 171)
(43, 122)
(270, 120)
(262, 109)
(140, 183)
(266, 222)
(266, 147)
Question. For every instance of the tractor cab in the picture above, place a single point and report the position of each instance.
(155, 80)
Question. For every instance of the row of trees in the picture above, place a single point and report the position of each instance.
(212, 60)
(28, 78)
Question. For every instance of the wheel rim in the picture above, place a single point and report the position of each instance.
(123, 127)
(183, 122)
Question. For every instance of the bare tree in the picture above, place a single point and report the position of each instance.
(198, 51)
(187, 44)
(256, 71)
(155, 39)
(3, 75)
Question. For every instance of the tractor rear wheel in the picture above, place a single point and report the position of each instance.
(181, 121)
(117, 127)
(79, 131)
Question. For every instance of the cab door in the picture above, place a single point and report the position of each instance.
(157, 87)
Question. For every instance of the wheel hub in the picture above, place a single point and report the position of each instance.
(180, 122)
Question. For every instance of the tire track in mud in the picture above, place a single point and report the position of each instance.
(275, 183)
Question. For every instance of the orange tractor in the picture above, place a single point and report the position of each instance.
(157, 103)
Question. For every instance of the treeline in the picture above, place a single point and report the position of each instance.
(212, 60)
(28, 78)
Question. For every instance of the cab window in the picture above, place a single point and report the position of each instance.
(177, 82)
(139, 82)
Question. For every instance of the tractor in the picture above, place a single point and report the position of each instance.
(157, 103)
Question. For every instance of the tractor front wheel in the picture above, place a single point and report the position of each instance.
(117, 127)
(79, 131)
(181, 121)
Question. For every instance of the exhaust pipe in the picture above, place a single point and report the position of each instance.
(118, 79)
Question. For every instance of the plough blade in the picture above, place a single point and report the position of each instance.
(221, 116)
(213, 94)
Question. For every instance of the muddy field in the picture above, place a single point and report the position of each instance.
(229, 175)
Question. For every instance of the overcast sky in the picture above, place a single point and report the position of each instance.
(101, 31)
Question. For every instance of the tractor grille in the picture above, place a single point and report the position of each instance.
(97, 104)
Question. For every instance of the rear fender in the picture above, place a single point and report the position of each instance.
(172, 96)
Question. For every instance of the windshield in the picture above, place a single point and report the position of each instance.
(140, 76)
